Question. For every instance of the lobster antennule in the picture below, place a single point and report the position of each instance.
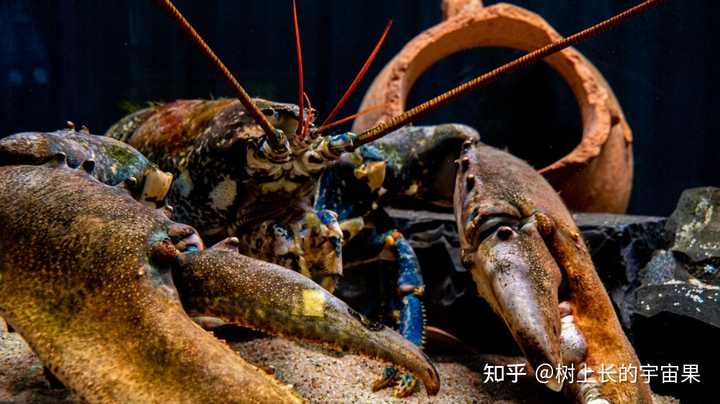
(243, 96)
(358, 77)
(301, 80)
(398, 121)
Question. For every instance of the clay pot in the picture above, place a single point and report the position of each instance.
(596, 176)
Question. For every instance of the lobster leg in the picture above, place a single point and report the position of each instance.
(354, 196)
(396, 168)
(393, 246)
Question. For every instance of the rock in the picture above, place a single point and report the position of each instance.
(698, 302)
(621, 245)
(667, 287)
(663, 268)
(676, 319)
(693, 232)
(427, 230)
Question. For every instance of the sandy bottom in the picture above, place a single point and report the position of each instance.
(317, 374)
(322, 376)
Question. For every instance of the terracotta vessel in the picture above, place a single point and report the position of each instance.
(596, 176)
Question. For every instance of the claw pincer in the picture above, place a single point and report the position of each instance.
(113, 162)
(219, 282)
(85, 279)
(528, 261)
(88, 277)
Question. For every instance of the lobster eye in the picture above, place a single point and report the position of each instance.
(489, 225)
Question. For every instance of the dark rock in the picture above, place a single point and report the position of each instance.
(683, 299)
(621, 245)
(429, 229)
(663, 268)
(693, 232)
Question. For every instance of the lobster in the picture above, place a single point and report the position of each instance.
(101, 286)
(262, 172)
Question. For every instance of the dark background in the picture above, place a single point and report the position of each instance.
(91, 61)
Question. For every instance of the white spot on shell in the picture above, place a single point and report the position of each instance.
(223, 195)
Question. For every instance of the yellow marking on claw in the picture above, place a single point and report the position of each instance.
(313, 303)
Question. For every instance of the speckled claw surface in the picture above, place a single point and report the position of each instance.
(85, 279)
(528, 261)
(110, 161)
(220, 283)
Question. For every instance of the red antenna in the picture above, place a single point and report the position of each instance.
(244, 97)
(301, 85)
(358, 77)
(349, 118)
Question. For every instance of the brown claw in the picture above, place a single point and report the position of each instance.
(520, 244)
(520, 280)
(82, 283)
(264, 296)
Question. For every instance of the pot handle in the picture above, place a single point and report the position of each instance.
(451, 8)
